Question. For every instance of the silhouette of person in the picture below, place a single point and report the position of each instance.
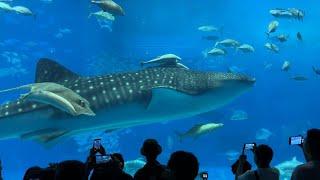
(118, 158)
(183, 165)
(263, 155)
(71, 169)
(33, 173)
(152, 170)
(311, 149)
(241, 165)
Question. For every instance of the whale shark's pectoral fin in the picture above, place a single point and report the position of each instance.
(45, 136)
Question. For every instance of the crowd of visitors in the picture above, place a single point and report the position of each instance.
(181, 165)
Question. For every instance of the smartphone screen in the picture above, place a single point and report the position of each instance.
(102, 159)
(295, 140)
(249, 146)
(97, 143)
(204, 176)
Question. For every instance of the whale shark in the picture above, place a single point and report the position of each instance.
(119, 100)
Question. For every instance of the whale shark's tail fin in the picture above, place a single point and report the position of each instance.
(51, 71)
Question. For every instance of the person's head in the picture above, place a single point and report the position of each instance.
(48, 174)
(263, 155)
(71, 169)
(33, 173)
(183, 165)
(311, 145)
(119, 158)
(150, 149)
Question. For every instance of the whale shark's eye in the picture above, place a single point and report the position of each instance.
(81, 103)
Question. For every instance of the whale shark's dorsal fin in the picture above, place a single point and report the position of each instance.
(51, 71)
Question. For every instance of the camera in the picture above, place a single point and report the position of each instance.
(100, 159)
(204, 175)
(296, 140)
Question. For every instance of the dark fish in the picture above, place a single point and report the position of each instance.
(316, 70)
(210, 38)
(299, 36)
(299, 78)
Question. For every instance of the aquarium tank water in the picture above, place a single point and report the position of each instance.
(203, 76)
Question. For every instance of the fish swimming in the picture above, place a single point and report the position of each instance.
(246, 48)
(272, 27)
(272, 47)
(290, 13)
(55, 95)
(23, 10)
(228, 43)
(286, 66)
(217, 52)
(299, 78)
(299, 36)
(316, 70)
(282, 37)
(120, 100)
(199, 130)
(110, 7)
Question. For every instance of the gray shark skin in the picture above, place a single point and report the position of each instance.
(120, 100)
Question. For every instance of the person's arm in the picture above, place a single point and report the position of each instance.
(242, 160)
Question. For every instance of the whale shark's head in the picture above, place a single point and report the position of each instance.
(214, 89)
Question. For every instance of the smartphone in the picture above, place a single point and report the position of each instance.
(204, 176)
(249, 146)
(100, 159)
(296, 140)
(97, 144)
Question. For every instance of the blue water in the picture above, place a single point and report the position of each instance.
(150, 28)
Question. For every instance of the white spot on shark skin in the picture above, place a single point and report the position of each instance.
(130, 91)
(75, 85)
(77, 91)
(101, 83)
(147, 77)
(170, 82)
(141, 87)
(158, 75)
(45, 72)
(91, 87)
(107, 100)
(114, 88)
(127, 83)
(7, 106)
(94, 98)
(111, 80)
(100, 78)
(18, 102)
(89, 81)
(34, 106)
(123, 77)
(171, 77)
(156, 82)
(140, 81)
(66, 80)
(7, 113)
(19, 110)
(118, 96)
(137, 73)
(104, 92)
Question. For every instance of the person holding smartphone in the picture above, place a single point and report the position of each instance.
(263, 155)
(311, 149)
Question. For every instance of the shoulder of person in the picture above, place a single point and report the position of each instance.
(246, 175)
(275, 170)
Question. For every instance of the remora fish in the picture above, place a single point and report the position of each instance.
(110, 7)
(120, 100)
(199, 130)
